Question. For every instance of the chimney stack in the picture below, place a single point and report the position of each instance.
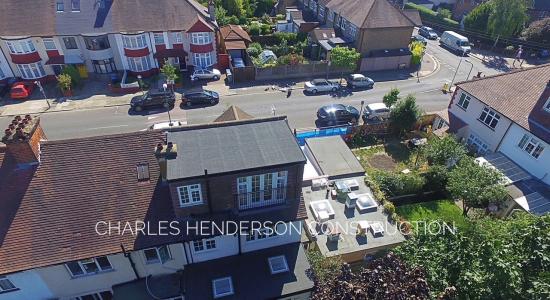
(22, 139)
(212, 10)
(163, 153)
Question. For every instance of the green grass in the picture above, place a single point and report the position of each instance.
(399, 152)
(445, 210)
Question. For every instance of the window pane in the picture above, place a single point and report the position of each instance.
(151, 255)
(75, 269)
(164, 254)
(104, 263)
(5, 284)
(89, 266)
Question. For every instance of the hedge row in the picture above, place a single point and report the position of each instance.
(431, 16)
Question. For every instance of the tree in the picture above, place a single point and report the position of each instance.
(64, 82)
(443, 13)
(405, 114)
(417, 50)
(170, 72)
(538, 31)
(507, 18)
(477, 186)
(391, 97)
(345, 58)
(486, 258)
(384, 278)
(324, 268)
(446, 151)
(234, 7)
(478, 18)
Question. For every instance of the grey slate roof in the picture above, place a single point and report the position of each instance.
(232, 146)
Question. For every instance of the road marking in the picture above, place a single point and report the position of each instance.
(106, 127)
(152, 117)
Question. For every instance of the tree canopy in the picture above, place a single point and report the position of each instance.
(508, 17)
(477, 186)
(405, 114)
(538, 31)
(391, 97)
(446, 151)
(478, 18)
(384, 278)
(488, 259)
(344, 57)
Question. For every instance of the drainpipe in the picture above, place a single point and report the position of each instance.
(502, 139)
(207, 185)
(132, 264)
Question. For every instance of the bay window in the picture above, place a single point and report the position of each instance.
(21, 47)
(178, 37)
(201, 38)
(477, 144)
(89, 266)
(202, 59)
(134, 41)
(531, 145)
(32, 71)
(70, 42)
(139, 64)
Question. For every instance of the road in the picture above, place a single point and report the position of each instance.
(299, 108)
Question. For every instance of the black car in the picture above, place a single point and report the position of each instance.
(337, 114)
(200, 97)
(153, 98)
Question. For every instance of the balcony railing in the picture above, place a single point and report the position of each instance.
(263, 198)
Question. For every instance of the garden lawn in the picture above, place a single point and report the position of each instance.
(445, 210)
(393, 156)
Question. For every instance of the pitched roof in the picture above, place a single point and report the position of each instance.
(518, 95)
(233, 113)
(232, 146)
(370, 13)
(320, 34)
(234, 32)
(413, 15)
(38, 16)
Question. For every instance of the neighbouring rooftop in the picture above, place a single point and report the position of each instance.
(218, 148)
(332, 157)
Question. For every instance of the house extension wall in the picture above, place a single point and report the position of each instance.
(383, 38)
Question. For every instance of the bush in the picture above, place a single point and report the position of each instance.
(64, 82)
(290, 59)
(431, 16)
(389, 208)
(436, 178)
(254, 29)
(266, 28)
(280, 17)
(254, 49)
(397, 184)
(73, 73)
(290, 37)
(443, 13)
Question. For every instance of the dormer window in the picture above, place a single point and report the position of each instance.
(143, 172)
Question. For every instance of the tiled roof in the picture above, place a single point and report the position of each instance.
(38, 16)
(516, 95)
(414, 16)
(320, 34)
(234, 32)
(233, 113)
(370, 13)
(48, 213)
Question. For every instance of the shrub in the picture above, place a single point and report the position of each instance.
(280, 17)
(431, 16)
(73, 73)
(389, 208)
(254, 29)
(290, 37)
(290, 59)
(64, 82)
(266, 28)
(443, 13)
(436, 178)
(397, 184)
(254, 49)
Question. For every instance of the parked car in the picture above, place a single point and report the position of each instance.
(214, 74)
(153, 98)
(456, 42)
(337, 114)
(165, 125)
(419, 38)
(376, 112)
(427, 32)
(4, 89)
(359, 81)
(21, 90)
(321, 85)
(202, 97)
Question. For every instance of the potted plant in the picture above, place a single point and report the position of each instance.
(64, 81)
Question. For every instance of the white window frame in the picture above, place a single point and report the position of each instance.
(75, 5)
(59, 6)
(491, 117)
(139, 64)
(21, 46)
(261, 234)
(31, 71)
(270, 261)
(96, 296)
(178, 37)
(201, 38)
(203, 60)
(267, 190)
(70, 38)
(49, 44)
(158, 258)
(533, 146)
(133, 42)
(219, 295)
(481, 146)
(203, 245)
(143, 173)
(4, 280)
(190, 195)
(87, 261)
(464, 101)
(2, 75)
(546, 106)
(159, 38)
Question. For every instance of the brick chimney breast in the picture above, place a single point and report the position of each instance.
(22, 139)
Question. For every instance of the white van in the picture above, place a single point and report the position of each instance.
(455, 42)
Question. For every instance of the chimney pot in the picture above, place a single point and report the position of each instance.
(7, 131)
(11, 126)
(14, 122)
(28, 117)
(169, 145)
(17, 118)
(159, 147)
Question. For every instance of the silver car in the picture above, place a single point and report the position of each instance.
(214, 74)
(376, 112)
(321, 85)
(359, 81)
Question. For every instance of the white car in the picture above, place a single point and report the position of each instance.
(376, 111)
(214, 74)
(321, 85)
(165, 125)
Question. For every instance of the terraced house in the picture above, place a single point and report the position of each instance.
(37, 38)
(69, 211)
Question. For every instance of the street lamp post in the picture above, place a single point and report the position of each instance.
(39, 85)
(471, 68)
(140, 85)
(420, 66)
(165, 86)
(458, 67)
(361, 111)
